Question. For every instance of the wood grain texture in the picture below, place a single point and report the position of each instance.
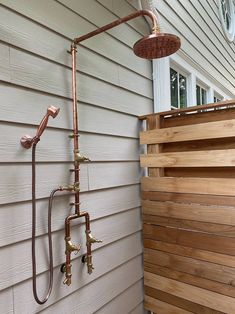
(188, 230)
(214, 214)
(199, 268)
(178, 302)
(190, 238)
(204, 297)
(215, 158)
(215, 229)
(203, 255)
(208, 130)
(156, 306)
(211, 186)
(193, 280)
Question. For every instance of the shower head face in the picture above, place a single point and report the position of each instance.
(53, 111)
(156, 45)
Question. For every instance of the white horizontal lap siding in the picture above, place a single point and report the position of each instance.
(200, 40)
(114, 87)
(105, 261)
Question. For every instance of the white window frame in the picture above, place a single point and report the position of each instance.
(183, 72)
(218, 97)
(202, 85)
(161, 81)
(229, 33)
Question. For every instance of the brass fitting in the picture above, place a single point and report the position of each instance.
(88, 260)
(156, 29)
(80, 158)
(70, 247)
(67, 281)
(71, 187)
(91, 239)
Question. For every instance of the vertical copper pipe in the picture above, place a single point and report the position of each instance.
(75, 125)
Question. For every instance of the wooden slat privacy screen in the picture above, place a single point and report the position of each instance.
(188, 201)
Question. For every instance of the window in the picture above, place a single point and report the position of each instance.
(201, 94)
(216, 99)
(178, 85)
(226, 13)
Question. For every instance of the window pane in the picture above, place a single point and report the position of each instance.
(203, 91)
(174, 88)
(198, 91)
(183, 91)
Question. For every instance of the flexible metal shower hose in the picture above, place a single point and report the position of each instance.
(34, 234)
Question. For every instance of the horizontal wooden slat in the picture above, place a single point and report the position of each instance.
(179, 302)
(216, 229)
(158, 306)
(218, 129)
(202, 269)
(193, 239)
(193, 280)
(215, 214)
(208, 158)
(204, 297)
(212, 257)
(211, 186)
(200, 117)
(188, 198)
(210, 172)
(176, 112)
(126, 250)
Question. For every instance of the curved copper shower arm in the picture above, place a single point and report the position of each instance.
(117, 22)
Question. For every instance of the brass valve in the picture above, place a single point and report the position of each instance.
(71, 187)
(80, 158)
(91, 239)
(70, 247)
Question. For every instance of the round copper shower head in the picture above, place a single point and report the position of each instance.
(156, 45)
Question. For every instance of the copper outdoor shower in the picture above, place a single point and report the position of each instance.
(156, 45)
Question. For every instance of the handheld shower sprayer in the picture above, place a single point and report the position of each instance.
(27, 141)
